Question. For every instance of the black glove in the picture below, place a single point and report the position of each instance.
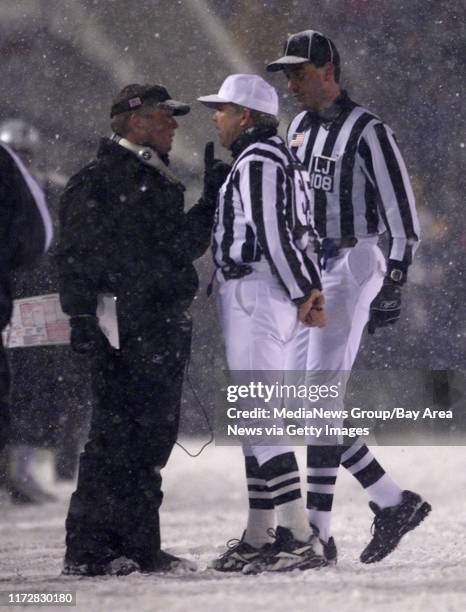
(386, 306)
(86, 335)
(215, 173)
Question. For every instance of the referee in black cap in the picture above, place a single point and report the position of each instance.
(124, 232)
(360, 189)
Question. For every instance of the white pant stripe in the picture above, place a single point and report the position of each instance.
(257, 481)
(282, 491)
(361, 464)
(321, 488)
(352, 450)
(328, 471)
(259, 495)
(285, 477)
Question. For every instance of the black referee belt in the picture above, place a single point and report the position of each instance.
(330, 247)
(232, 272)
(339, 243)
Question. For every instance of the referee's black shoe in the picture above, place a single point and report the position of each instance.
(390, 525)
(329, 547)
(287, 554)
(237, 555)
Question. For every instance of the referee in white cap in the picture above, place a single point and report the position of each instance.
(268, 290)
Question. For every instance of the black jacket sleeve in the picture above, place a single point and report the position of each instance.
(25, 225)
(200, 221)
(80, 257)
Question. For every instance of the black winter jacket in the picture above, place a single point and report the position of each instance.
(23, 233)
(42, 278)
(124, 231)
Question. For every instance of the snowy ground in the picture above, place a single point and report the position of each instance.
(205, 505)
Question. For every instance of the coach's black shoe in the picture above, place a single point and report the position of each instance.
(121, 566)
(165, 562)
(287, 554)
(329, 547)
(238, 554)
(390, 525)
(81, 569)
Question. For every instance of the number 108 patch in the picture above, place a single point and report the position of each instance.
(322, 173)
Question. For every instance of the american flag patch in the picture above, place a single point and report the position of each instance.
(298, 139)
(135, 102)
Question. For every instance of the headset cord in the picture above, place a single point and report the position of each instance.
(204, 412)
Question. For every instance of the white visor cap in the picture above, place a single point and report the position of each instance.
(248, 90)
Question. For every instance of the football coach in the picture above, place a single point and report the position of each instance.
(124, 232)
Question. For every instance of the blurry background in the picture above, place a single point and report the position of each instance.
(61, 62)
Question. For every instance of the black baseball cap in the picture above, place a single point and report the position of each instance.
(155, 94)
(307, 46)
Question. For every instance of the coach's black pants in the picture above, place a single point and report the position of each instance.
(4, 404)
(6, 306)
(114, 510)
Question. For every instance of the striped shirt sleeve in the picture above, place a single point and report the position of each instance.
(387, 171)
(263, 188)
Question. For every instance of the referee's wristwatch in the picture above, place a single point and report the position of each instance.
(396, 272)
(396, 275)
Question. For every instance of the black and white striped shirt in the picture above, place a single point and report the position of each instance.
(360, 185)
(263, 215)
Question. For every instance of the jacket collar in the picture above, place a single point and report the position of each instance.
(124, 149)
(329, 114)
(249, 136)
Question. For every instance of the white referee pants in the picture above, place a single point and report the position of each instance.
(349, 283)
(260, 324)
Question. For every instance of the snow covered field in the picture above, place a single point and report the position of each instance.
(205, 505)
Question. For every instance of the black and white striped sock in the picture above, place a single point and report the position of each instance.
(261, 514)
(283, 482)
(322, 470)
(362, 464)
